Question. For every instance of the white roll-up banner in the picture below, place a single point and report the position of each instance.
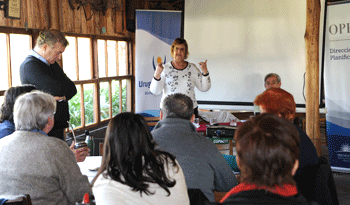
(155, 32)
(337, 84)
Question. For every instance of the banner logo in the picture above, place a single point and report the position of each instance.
(159, 59)
(344, 153)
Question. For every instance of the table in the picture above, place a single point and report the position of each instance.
(89, 166)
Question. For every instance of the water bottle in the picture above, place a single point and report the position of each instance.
(88, 200)
(90, 142)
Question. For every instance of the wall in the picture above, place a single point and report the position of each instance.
(57, 14)
(243, 40)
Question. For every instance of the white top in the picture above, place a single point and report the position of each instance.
(108, 192)
(183, 81)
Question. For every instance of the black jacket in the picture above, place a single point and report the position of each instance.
(50, 79)
(259, 196)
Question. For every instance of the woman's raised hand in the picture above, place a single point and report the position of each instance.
(158, 71)
(203, 66)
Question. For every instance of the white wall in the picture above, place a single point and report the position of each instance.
(243, 40)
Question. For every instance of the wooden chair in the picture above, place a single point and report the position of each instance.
(151, 121)
(21, 200)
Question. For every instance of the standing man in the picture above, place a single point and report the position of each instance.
(41, 69)
(272, 80)
(204, 166)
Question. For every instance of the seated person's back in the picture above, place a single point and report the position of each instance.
(267, 154)
(282, 104)
(204, 166)
(33, 163)
(133, 171)
(7, 125)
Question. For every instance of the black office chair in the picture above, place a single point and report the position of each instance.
(316, 183)
(21, 200)
(197, 197)
(325, 190)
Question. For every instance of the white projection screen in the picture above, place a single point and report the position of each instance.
(243, 40)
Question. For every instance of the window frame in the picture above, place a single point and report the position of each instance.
(7, 32)
(95, 79)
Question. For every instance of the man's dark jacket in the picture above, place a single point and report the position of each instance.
(50, 79)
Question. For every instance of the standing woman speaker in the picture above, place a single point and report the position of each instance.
(180, 76)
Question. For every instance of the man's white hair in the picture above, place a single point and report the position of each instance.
(32, 110)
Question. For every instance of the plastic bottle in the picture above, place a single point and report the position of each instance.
(90, 142)
(86, 200)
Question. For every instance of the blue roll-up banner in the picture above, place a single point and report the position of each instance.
(155, 32)
(337, 84)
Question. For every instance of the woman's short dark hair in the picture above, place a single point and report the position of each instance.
(179, 41)
(11, 94)
(130, 157)
(267, 148)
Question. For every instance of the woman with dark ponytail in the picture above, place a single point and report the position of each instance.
(133, 171)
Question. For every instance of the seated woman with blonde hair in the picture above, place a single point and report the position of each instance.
(133, 171)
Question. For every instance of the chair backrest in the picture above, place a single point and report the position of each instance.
(151, 121)
(197, 197)
(316, 183)
(326, 192)
(21, 200)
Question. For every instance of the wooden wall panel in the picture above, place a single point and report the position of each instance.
(36, 14)
(78, 14)
(49, 16)
(97, 28)
(83, 21)
(53, 8)
(30, 14)
(119, 22)
(24, 16)
(66, 17)
(57, 14)
(103, 23)
(6, 21)
(2, 18)
(109, 24)
(90, 23)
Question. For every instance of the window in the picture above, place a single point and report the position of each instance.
(100, 70)
(99, 67)
(14, 48)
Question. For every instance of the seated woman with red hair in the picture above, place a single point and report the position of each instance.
(282, 104)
